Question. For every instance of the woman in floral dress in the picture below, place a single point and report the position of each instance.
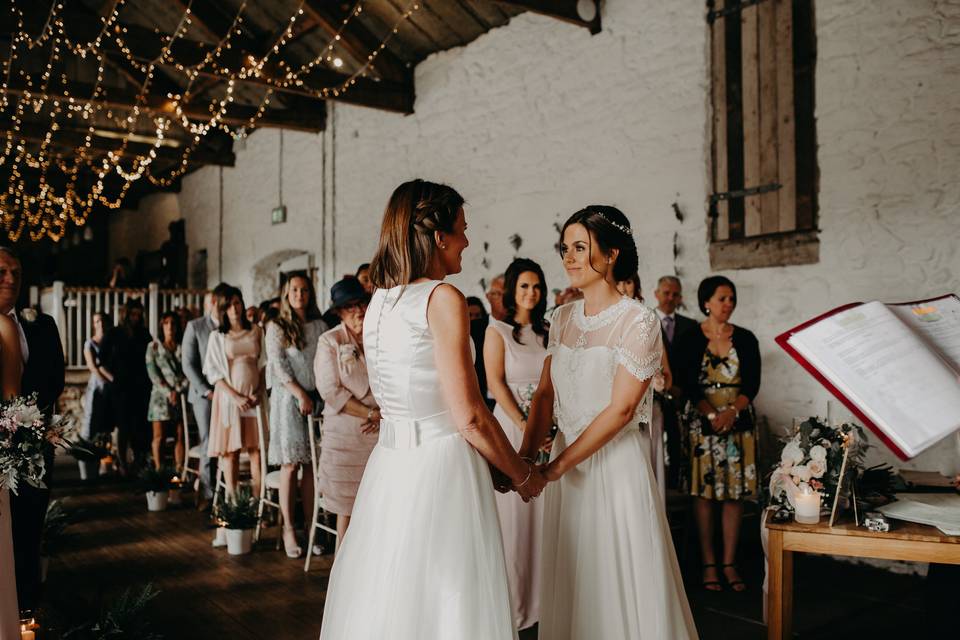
(718, 370)
(168, 380)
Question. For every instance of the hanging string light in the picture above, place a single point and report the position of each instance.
(45, 211)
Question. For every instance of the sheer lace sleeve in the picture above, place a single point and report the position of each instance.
(279, 365)
(557, 322)
(640, 347)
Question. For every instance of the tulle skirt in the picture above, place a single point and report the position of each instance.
(609, 566)
(423, 557)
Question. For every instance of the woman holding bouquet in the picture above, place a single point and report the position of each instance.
(513, 351)
(11, 366)
(719, 373)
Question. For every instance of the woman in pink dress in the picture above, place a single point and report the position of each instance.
(234, 365)
(513, 351)
(351, 418)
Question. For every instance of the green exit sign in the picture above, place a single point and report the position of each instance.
(278, 215)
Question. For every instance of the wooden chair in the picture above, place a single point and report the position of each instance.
(191, 452)
(318, 506)
(270, 482)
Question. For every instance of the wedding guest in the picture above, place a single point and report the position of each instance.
(96, 418)
(43, 373)
(514, 351)
(363, 276)
(631, 287)
(351, 420)
(124, 357)
(719, 373)
(495, 298)
(166, 375)
(253, 315)
(234, 365)
(669, 295)
(195, 339)
(479, 320)
(121, 274)
(291, 344)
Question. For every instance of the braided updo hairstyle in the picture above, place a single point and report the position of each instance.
(416, 210)
(611, 229)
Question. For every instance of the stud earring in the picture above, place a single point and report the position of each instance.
(443, 246)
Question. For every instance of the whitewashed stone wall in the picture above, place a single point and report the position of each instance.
(536, 119)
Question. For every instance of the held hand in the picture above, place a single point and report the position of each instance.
(172, 397)
(501, 482)
(242, 401)
(550, 472)
(372, 425)
(254, 399)
(305, 402)
(532, 487)
(723, 421)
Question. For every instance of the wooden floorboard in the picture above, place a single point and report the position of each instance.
(207, 594)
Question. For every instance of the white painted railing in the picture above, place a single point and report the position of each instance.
(73, 307)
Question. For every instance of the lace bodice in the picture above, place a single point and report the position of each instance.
(586, 352)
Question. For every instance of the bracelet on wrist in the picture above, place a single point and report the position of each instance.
(527, 479)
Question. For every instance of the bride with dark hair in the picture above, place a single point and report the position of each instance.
(609, 567)
(423, 557)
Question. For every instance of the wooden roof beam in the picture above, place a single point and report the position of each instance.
(71, 138)
(356, 40)
(312, 121)
(583, 13)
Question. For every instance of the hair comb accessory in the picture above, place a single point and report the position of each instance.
(627, 230)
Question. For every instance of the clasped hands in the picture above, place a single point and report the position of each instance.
(528, 488)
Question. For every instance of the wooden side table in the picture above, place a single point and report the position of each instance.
(905, 541)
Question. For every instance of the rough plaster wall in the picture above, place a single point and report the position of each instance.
(536, 119)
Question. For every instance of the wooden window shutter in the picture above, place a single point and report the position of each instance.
(763, 137)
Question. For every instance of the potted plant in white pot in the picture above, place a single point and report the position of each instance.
(238, 516)
(156, 484)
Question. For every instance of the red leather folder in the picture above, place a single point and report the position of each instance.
(782, 340)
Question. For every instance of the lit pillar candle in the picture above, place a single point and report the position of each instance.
(807, 506)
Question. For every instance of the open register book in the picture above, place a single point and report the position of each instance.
(895, 366)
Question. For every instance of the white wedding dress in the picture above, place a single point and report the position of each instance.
(423, 558)
(9, 611)
(609, 566)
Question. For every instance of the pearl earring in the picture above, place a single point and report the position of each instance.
(443, 246)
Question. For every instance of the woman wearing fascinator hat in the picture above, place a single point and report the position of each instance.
(351, 417)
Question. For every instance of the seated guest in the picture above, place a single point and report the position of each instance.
(719, 373)
(166, 375)
(234, 365)
(351, 420)
(291, 344)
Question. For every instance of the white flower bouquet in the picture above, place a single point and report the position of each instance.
(25, 436)
(811, 461)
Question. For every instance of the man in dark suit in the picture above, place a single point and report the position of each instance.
(43, 374)
(669, 294)
(194, 348)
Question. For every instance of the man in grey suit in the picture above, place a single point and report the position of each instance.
(194, 347)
